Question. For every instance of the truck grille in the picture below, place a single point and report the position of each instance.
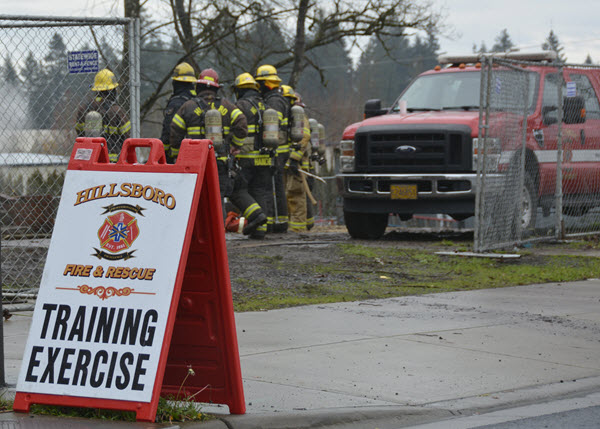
(407, 149)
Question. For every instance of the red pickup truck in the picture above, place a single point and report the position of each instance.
(420, 155)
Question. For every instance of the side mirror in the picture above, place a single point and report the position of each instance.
(549, 115)
(373, 108)
(574, 110)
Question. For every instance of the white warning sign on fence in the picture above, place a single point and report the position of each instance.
(571, 89)
(104, 299)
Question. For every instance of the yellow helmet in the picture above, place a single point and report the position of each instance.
(245, 80)
(184, 73)
(105, 80)
(268, 73)
(288, 91)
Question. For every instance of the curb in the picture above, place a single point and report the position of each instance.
(406, 415)
(400, 416)
(536, 394)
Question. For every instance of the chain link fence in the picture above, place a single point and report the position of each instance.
(47, 71)
(537, 178)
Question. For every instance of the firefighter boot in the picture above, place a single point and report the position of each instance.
(251, 226)
(234, 223)
(259, 233)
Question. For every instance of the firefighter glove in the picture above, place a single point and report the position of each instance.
(292, 166)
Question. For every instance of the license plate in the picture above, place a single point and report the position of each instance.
(403, 192)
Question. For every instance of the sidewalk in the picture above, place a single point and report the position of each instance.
(402, 361)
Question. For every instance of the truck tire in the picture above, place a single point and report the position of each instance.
(527, 214)
(368, 226)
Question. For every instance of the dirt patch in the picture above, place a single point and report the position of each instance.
(327, 265)
(318, 266)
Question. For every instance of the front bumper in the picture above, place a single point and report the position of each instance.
(436, 193)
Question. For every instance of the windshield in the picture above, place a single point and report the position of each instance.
(460, 91)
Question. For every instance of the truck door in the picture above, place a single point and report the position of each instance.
(577, 138)
(547, 135)
(586, 151)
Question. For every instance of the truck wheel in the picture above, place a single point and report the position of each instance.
(528, 212)
(370, 226)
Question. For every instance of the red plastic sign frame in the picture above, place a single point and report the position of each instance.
(199, 357)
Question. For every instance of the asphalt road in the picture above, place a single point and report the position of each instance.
(578, 412)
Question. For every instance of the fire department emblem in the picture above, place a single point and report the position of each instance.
(117, 234)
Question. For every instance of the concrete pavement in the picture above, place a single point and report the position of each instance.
(403, 361)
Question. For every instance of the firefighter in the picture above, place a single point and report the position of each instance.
(103, 117)
(269, 82)
(184, 89)
(252, 194)
(296, 187)
(209, 116)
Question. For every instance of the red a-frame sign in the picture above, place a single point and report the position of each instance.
(135, 295)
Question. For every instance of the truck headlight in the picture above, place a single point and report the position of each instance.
(347, 155)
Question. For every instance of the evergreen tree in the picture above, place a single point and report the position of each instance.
(35, 83)
(482, 49)
(56, 84)
(382, 71)
(9, 73)
(157, 59)
(263, 43)
(57, 51)
(387, 66)
(326, 87)
(14, 100)
(503, 42)
(110, 59)
(588, 60)
(553, 44)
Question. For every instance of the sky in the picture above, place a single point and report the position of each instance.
(528, 22)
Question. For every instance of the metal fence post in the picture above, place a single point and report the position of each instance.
(478, 196)
(2, 374)
(134, 75)
(482, 152)
(560, 233)
(523, 161)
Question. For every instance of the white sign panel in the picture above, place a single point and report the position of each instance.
(571, 89)
(107, 286)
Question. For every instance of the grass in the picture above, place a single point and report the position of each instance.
(370, 272)
(173, 410)
(90, 413)
(170, 409)
(592, 242)
(5, 405)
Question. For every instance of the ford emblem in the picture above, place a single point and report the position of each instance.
(406, 149)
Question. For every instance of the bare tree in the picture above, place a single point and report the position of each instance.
(215, 29)
(300, 41)
(349, 21)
